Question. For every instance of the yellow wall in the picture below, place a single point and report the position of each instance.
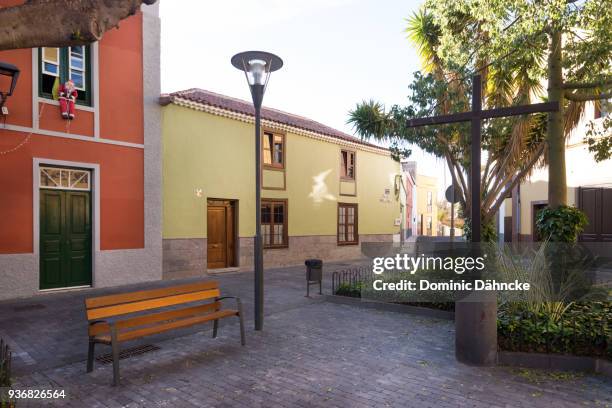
(581, 171)
(215, 154)
(508, 207)
(424, 185)
(533, 192)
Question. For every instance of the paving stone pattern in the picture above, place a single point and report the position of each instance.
(311, 354)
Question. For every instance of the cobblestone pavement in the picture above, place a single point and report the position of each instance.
(56, 321)
(311, 354)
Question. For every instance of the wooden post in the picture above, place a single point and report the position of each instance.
(476, 317)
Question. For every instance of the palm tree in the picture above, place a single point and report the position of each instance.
(512, 146)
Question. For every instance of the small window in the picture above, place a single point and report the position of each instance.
(65, 179)
(429, 202)
(50, 70)
(347, 224)
(429, 226)
(274, 223)
(58, 65)
(77, 67)
(274, 150)
(51, 61)
(347, 171)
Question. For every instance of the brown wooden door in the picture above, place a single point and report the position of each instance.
(507, 229)
(596, 203)
(221, 234)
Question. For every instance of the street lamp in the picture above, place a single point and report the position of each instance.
(257, 67)
(13, 72)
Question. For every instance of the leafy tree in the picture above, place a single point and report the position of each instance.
(575, 41)
(513, 146)
(599, 136)
(517, 46)
(61, 23)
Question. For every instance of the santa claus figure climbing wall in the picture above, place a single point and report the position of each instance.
(67, 98)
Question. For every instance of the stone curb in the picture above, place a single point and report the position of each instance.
(560, 362)
(391, 307)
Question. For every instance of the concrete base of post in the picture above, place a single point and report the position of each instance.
(476, 330)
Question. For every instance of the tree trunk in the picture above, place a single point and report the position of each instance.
(61, 23)
(557, 183)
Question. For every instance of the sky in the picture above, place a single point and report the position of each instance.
(336, 53)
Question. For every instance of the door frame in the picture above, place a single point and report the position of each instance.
(38, 162)
(534, 204)
(235, 204)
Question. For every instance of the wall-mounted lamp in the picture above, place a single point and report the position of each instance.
(10, 71)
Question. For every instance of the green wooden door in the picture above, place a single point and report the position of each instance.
(65, 238)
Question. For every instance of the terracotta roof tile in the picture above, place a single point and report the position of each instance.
(241, 106)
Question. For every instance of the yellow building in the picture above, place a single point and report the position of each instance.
(589, 187)
(427, 209)
(323, 192)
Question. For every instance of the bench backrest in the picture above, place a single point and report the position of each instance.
(133, 302)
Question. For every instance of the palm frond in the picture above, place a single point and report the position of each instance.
(370, 120)
(573, 113)
(425, 34)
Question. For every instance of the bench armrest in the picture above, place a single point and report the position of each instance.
(236, 298)
(228, 297)
(94, 323)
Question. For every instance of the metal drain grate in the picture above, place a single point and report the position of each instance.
(25, 308)
(127, 353)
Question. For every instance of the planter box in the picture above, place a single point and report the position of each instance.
(391, 307)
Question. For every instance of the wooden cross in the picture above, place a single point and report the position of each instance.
(475, 116)
(475, 322)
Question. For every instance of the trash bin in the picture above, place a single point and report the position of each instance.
(314, 274)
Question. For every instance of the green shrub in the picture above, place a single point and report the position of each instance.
(350, 289)
(558, 274)
(583, 330)
(561, 224)
(433, 301)
(488, 232)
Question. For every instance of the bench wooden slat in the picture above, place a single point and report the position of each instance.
(133, 307)
(102, 328)
(111, 300)
(160, 328)
(137, 314)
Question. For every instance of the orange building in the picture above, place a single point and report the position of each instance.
(80, 199)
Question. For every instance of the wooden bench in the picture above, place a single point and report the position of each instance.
(127, 316)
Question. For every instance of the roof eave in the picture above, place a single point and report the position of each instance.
(166, 99)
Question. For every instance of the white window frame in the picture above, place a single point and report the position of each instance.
(57, 63)
(70, 186)
(82, 70)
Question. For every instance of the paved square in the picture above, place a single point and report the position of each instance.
(311, 353)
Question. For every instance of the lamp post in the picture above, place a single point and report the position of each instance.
(13, 72)
(257, 67)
